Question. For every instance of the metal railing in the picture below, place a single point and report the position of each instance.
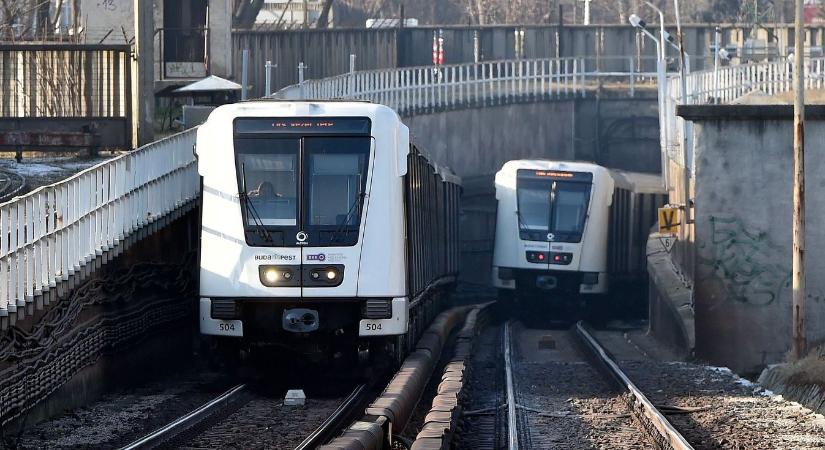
(412, 89)
(55, 231)
(725, 85)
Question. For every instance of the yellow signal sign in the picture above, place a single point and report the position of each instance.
(669, 219)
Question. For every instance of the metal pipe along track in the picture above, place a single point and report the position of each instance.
(654, 422)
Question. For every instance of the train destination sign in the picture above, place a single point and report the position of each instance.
(556, 175)
(302, 125)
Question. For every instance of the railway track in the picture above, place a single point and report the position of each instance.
(11, 184)
(583, 400)
(239, 407)
(580, 389)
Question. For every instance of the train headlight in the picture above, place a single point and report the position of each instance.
(274, 276)
(329, 274)
(326, 276)
(271, 275)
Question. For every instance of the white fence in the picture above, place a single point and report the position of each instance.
(726, 85)
(51, 233)
(412, 89)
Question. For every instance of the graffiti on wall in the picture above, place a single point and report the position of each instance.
(753, 268)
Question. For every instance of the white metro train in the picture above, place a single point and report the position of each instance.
(567, 229)
(324, 231)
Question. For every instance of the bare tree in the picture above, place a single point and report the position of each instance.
(436, 12)
(18, 18)
(323, 18)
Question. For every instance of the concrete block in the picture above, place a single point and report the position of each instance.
(295, 397)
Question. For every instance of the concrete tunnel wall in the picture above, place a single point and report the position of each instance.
(610, 129)
(744, 173)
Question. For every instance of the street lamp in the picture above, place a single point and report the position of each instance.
(662, 31)
(661, 81)
(672, 41)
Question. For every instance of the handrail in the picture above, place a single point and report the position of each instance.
(53, 232)
(412, 89)
(725, 85)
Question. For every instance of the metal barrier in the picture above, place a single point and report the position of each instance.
(55, 231)
(413, 89)
(726, 85)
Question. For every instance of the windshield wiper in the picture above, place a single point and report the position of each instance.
(356, 205)
(521, 225)
(258, 224)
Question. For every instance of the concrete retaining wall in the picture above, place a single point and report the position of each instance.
(616, 131)
(743, 216)
(608, 128)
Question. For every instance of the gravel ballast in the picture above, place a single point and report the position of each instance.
(566, 403)
(732, 412)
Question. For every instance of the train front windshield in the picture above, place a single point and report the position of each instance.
(301, 189)
(552, 206)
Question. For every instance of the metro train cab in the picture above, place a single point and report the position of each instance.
(552, 228)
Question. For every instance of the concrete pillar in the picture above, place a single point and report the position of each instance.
(145, 68)
(220, 38)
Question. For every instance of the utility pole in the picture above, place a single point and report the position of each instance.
(798, 284)
(144, 103)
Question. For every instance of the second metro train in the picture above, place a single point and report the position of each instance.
(570, 229)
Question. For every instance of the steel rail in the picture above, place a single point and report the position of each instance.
(335, 422)
(512, 422)
(10, 184)
(667, 432)
(182, 424)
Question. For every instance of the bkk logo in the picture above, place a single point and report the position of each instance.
(319, 257)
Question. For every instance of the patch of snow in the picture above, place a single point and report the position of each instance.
(32, 169)
(754, 387)
(723, 370)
